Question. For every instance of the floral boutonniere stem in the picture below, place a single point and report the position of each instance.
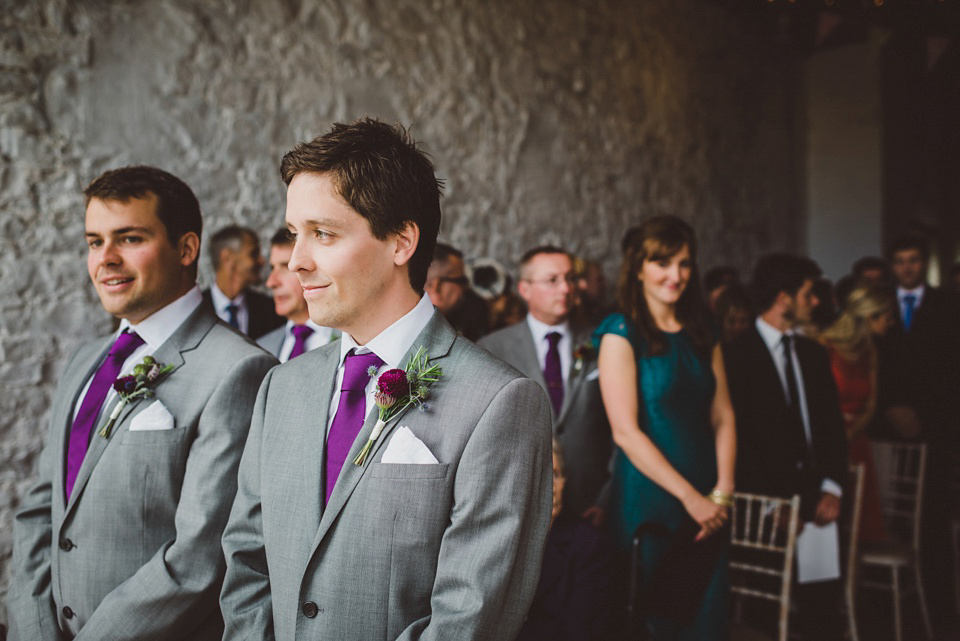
(583, 353)
(135, 386)
(398, 389)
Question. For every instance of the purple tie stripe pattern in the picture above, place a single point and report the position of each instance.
(125, 345)
(350, 414)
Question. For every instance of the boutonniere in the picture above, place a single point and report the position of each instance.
(398, 389)
(134, 387)
(585, 352)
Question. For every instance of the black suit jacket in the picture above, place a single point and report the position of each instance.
(929, 357)
(263, 315)
(767, 460)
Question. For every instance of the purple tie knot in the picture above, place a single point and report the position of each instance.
(355, 366)
(127, 342)
(301, 332)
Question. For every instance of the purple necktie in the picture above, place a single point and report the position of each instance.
(553, 374)
(350, 413)
(300, 335)
(123, 347)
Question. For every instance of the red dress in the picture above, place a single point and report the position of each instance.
(854, 389)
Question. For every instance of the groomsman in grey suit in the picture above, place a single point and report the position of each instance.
(300, 334)
(438, 532)
(119, 538)
(558, 354)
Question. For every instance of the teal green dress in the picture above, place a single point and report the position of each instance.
(675, 391)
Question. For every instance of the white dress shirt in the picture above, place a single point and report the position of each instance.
(539, 330)
(917, 293)
(320, 337)
(221, 303)
(773, 338)
(154, 330)
(390, 345)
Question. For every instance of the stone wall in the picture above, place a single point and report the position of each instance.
(563, 121)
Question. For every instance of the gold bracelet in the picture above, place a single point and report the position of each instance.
(721, 498)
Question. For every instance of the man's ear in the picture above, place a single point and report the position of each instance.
(189, 248)
(407, 240)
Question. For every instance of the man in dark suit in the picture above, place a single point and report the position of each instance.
(236, 258)
(927, 342)
(552, 350)
(790, 433)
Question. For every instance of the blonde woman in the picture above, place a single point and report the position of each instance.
(868, 312)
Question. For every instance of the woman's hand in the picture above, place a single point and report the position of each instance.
(708, 515)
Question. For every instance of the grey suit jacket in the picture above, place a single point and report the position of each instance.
(402, 551)
(135, 553)
(273, 341)
(582, 427)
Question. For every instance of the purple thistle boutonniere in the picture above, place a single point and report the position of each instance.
(585, 352)
(135, 386)
(397, 389)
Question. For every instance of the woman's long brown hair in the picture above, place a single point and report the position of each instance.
(660, 238)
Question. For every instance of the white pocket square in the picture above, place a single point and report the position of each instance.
(405, 447)
(594, 375)
(154, 417)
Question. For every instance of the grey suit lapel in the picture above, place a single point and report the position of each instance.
(186, 338)
(526, 352)
(576, 377)
(437, 337)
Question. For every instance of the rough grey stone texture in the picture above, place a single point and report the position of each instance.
(563, 121)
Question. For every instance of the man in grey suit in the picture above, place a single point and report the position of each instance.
(438, 532)
(549, 348)
(119, 538)
(300, 334)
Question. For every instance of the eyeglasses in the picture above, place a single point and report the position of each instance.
(553, 283)
(462, 281)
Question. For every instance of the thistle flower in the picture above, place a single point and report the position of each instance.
(384, 401)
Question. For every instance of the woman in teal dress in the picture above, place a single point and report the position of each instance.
(665, 393)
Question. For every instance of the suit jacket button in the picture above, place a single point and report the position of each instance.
(67, 612)
(66, 545)
(310, 609)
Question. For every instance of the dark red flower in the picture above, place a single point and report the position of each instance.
(125, 384)
(393, 382)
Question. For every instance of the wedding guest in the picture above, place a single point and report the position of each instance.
(716, 281)
(929, 346)
(432, 526)
(591, 287)
(869, 313)
(574, 595)
(789, 425)
(299, 334)
(237, 262)
(120, 536)
(555, 351)
(734, 312)
(449, 290)
(665, 394)
(871, 271)
(824, 310)
(490, 280)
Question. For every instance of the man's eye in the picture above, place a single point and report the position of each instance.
(321, 234)
(94, 243)
(131, 240)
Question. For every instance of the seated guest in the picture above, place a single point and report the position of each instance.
(591, 300)
(572, 602)
(549, 348)
(869, 312)
(715, 281)
(235, 254)
(734, 312)
(449, 290)
(789, 427)
(300, 334)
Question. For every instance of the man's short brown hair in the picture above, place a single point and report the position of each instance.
(383, 175)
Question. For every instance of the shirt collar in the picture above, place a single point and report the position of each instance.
(916, 291)
(220, 300)
(539, 329)
(770, 334)
(393, 342)
(156, 328)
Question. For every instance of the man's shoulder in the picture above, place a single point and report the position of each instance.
(270, 340)
(504, 335)
(466, 354)
(227, 344)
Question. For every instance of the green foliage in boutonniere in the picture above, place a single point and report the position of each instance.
(135, 386)
(584, 353)
(398, 389)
